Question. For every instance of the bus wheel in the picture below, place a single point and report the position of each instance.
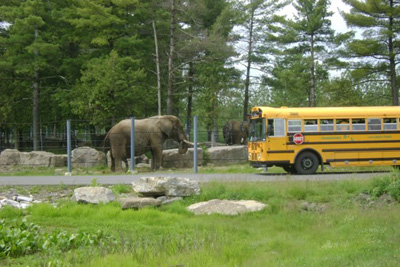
(289, 169)
(306, 163)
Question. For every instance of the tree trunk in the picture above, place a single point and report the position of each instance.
(248, 67)
(392, 63)
(171, 61)
(35, 111)
(158, 69)
(312, 101)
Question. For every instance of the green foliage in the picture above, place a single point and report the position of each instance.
(20, 237)
(378, 22)
(388, 185)
(342, 234)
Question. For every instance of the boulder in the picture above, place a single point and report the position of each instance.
(93, 195)
(58, 161)
(139, 202)
(140, 161)
(166, 186)
(226, 207)
(10, 157)
(172, 159)
(36, 158)
(86, 157)
(225, 155)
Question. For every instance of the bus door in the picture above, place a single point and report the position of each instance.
(257, 137)
(276, 135)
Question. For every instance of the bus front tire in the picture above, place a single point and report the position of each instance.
(306, 163)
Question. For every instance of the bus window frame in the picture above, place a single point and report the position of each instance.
(390, 124)
(327, 125)
(295, 120)
(374, 124)
(358, 124)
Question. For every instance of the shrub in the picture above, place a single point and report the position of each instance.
(19, 238)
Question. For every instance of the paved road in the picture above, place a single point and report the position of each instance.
(127, 179)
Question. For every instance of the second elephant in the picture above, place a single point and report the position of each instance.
(236, 132)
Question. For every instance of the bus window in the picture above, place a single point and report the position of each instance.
(374, 124)
(276, 127)
(294, 126)
(389, 124)
(342, 125)
(310, 126)
(279, 127)
(358, 124)
(326, 125)
(257, 130)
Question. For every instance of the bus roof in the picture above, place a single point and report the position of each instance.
(327, 112)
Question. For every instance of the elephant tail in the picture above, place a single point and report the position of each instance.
(106, 142)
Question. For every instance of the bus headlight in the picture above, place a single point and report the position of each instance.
(259, 156)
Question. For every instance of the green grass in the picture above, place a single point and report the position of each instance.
(347, 232)
(236, 168)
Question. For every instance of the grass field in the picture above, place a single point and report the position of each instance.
(337, 223)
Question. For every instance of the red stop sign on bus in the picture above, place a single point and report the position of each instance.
(298, 138)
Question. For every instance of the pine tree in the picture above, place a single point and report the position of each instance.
(310, 34)
(379, 47)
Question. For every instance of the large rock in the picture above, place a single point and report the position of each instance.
(93, 195)
(224, 155)
(226, 207)
(10, 157)
(36, 158)
(166, 186)
(172, 159)
(140, 161)
(85, 157)
(58, 160)
(139, 202)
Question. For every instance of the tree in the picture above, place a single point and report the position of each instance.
(379, 49)
(308, 33)
(31, 49)
(289, 81)
(110, 88)
(257, 15)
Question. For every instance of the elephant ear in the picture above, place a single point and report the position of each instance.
(165, 126)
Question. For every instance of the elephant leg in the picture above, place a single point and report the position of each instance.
(126, 164)
(118, 164)
(112, 163)
(156, 158)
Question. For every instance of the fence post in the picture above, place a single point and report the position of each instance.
(132, 168)
(69, 146)
(195, 144)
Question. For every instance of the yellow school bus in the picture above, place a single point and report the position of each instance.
(301, 139)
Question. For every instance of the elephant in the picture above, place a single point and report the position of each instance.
(150, 135)
(235, 132)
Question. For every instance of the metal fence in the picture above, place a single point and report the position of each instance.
(63, 136)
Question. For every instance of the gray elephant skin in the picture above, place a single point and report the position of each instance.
(235, 132)
(150, 135)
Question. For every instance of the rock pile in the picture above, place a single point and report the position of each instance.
(19, 202)
(148, 192)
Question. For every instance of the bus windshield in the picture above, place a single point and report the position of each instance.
(257, 130)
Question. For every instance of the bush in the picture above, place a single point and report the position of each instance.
(388, 185)
(19, 238)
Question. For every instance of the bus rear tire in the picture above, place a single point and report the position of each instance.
(306, 163)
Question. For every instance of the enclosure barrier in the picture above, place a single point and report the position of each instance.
(61, 138)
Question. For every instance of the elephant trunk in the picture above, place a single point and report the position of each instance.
(183, 147)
